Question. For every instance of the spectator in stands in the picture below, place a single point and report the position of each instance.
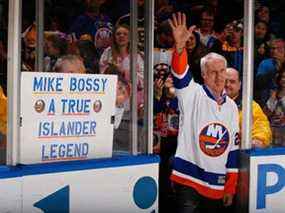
(3, 62)
(115, 9)
(233, 48)
(125, 20)
(163, 36)
(162, 57)
(261, 31)
(221, 34)
(122, 96)
(262, 37)
(30, 36)
(163, 10)
(3, 126)
(121, 122)
(55, 46)
(275, 23)
(57, 20)
(206, 28)
(166, 119)
(205, 164)
(263, 13)
(268, 69)
(3, 111)
(195, 50)
(70, 64)
(162, 64)
(165, 115)
(275, 108)
(261, 132)
(89, 54)
(29, 48)
(118, 54)
(214, 5)
(94, 23)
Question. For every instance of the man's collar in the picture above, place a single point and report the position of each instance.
(220, 100)
(238, 100)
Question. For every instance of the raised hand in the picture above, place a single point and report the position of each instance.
(158, 87)
(179, 30)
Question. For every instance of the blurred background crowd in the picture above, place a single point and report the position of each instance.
(93, 36)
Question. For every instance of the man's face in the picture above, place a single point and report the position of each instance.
(122, 93)
(236, 35)
(277, 50)
(233, 83)
(166, 40)
(207, 22)
(50, 50)
(72, 67)
(215, 75)
(281, 82)
(191, 43)
(260, 30)
(263, 14)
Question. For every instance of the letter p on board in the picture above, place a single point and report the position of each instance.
(265, 171)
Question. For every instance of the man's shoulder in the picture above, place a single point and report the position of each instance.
(267, 63)
(256, 108)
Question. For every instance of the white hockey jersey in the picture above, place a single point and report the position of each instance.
(208, 140)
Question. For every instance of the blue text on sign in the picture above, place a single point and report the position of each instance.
(262, 188)
(87, 84)
(47, 84)
(75, 105)
(61, 151)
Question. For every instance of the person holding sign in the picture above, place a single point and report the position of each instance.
(122, 97)
(205, 166)
(70, 64)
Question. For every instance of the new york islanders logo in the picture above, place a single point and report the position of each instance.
(214, 139)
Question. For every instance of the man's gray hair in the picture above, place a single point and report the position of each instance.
(72, 59)
(209, 57)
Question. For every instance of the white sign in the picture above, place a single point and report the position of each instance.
(267, 184)
(11, 195)
(66, 116)
(107, 190)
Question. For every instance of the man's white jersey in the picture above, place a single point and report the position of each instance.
(208, 139)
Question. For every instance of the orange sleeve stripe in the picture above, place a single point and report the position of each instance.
(203, 190)
(231, 183)
(179, 62)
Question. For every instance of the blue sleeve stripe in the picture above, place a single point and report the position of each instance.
(233, 161)
(183, 82)
(193, 170)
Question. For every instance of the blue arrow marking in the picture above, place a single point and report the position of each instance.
(57, 202)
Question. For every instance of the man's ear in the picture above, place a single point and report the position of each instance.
(203, 74)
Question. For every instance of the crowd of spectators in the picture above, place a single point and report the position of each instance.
(92, 36)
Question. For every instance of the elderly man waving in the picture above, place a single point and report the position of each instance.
(205, 165)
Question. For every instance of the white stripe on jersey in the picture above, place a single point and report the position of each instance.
(198, 181)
